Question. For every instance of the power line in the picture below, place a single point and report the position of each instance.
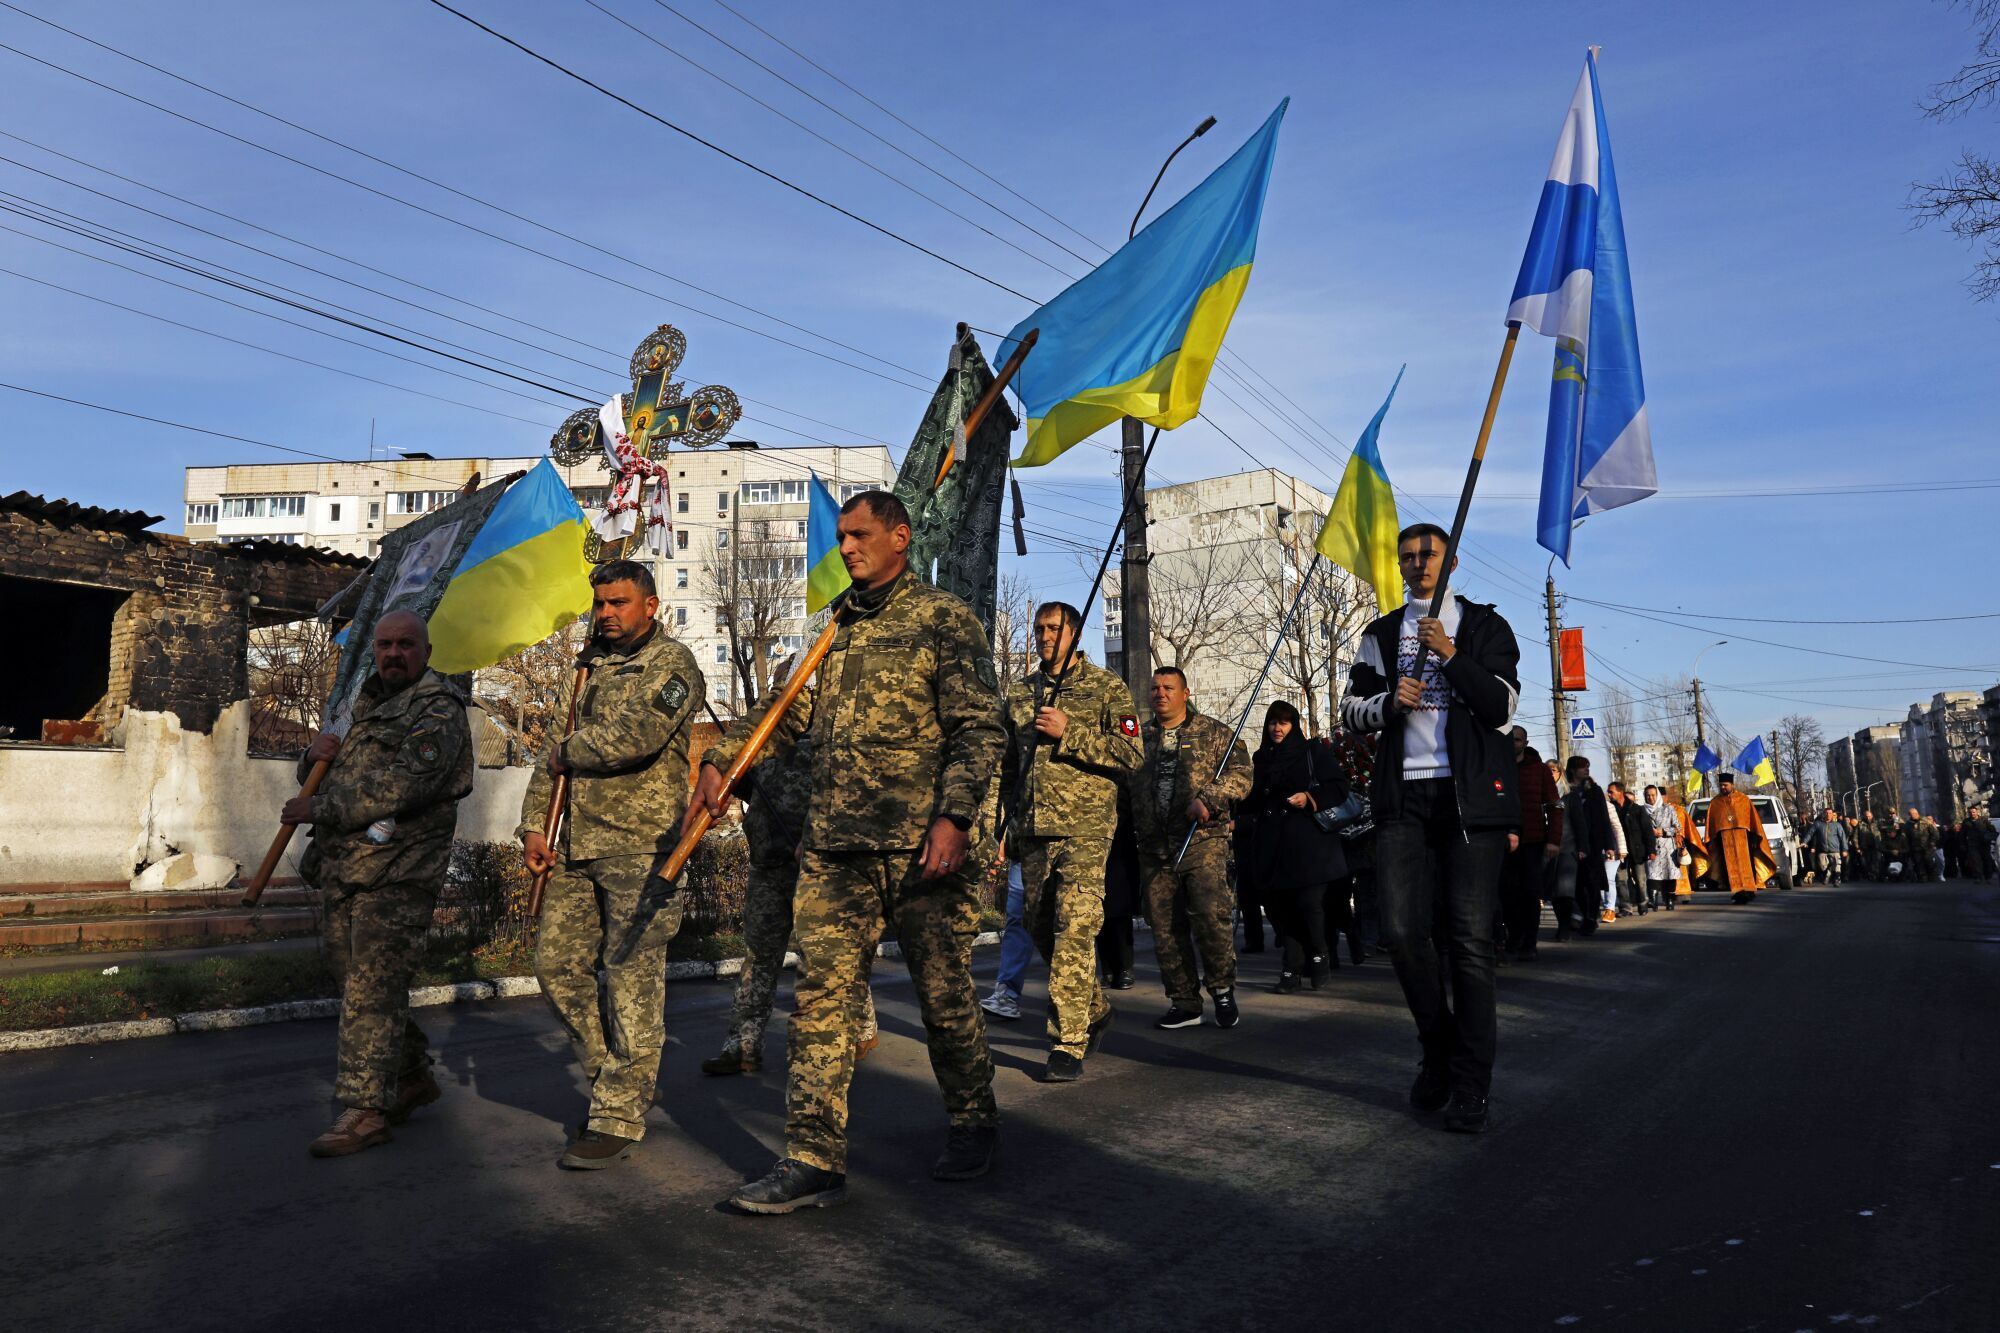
(1773, 620)
(444, 217)
(588, 82)
(741, 91)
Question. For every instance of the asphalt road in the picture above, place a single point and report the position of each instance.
(1775, 1117)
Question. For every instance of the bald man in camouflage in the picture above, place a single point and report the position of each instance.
(382, 822)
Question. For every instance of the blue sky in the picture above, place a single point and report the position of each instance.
(1796, 331)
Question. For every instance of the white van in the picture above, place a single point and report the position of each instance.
(1777, 831)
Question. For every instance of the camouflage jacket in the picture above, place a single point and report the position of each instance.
(1193, 762)
(903, 719)
(387, 807)
(777, 792)
(1073, 790)
(628, 758)
(1916, 838)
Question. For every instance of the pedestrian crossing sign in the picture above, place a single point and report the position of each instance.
(1583, 728)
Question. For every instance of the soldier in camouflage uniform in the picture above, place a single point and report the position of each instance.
(774, 815)
(628, 786)
(1175, 787)
(382, 823)
(906, 732)
(1065, 760)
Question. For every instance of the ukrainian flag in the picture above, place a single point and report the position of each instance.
(523, 577)
(1360, 530)
(1138, 335)
(826, 572)
(1756, 763)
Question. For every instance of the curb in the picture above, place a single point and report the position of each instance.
(422, 997)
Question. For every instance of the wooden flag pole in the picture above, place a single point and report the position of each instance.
(795, 684)
(558, 794)
(1471, 481)
(269, 866)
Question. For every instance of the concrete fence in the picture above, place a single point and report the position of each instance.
(191, 807)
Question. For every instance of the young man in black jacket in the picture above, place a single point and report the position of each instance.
(1444, 801)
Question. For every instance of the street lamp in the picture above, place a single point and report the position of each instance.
(1701, 736)
(1134, 593)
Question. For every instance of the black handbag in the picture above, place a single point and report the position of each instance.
(1351, 818)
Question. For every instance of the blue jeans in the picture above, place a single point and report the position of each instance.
(1017, 946)
(1436, 886)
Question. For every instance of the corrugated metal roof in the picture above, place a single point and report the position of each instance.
(68, 511)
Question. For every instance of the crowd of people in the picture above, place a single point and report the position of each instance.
(1914, 849)
(1423, 828)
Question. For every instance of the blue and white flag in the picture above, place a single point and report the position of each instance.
(1575, 287)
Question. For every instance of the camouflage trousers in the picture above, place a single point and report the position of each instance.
(1064, 878)
(844, 900)
(615, 1013)
(1194, 900)
(374, 939)
(767, 929)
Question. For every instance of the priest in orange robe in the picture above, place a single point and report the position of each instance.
(1740, 858)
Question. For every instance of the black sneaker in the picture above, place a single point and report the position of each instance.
(790, 1186)
(1433, 1087)
(1177, 1017)
(1225, 1009)
(1466, 1114)
(1094, 1036)
(1123, 981)
(1063, 1068)
(968, 1151)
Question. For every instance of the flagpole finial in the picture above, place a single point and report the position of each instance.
(1596, 51)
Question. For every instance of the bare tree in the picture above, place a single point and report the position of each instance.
(1617, 727)
(290, 669)
(1967, 200)
(757, 584)
(1332, 611)
(1669, 719)
(522, 693)
(1014, 630)
(1207, 619)
(1801, 746)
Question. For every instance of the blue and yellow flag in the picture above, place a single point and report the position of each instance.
(1360, 530)
(1138, 335)
(1756, 763)
(523, 577)
(826, 572)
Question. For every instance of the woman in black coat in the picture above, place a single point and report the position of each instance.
(1292, 858)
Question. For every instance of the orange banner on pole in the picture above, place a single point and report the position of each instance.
(1572, 659)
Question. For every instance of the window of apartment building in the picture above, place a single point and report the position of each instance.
(202, 512)
(721, 620)
(681, 503)
(802, 528)
(722, 502)
(263, 506)
(591, 497)
(680, 578)
(333, 513)
(722, 539)
(773, 492)
(681, 539)
(721, 655)
(681, 617)
(419, 502)
(374, 511)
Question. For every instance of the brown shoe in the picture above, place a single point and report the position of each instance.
(594, 1150)
(412, 1093)
(865, 1045)
(732, 1062)
(359, 1127)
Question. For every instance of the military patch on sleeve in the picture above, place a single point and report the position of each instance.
(982, 667)
(422, 751)
(1128, 724)
(673, 695)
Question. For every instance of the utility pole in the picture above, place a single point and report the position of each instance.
(1700, 737)
(1556, 695)
(735, 621)
(1134, 586)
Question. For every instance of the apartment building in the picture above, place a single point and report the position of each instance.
(738, 512)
